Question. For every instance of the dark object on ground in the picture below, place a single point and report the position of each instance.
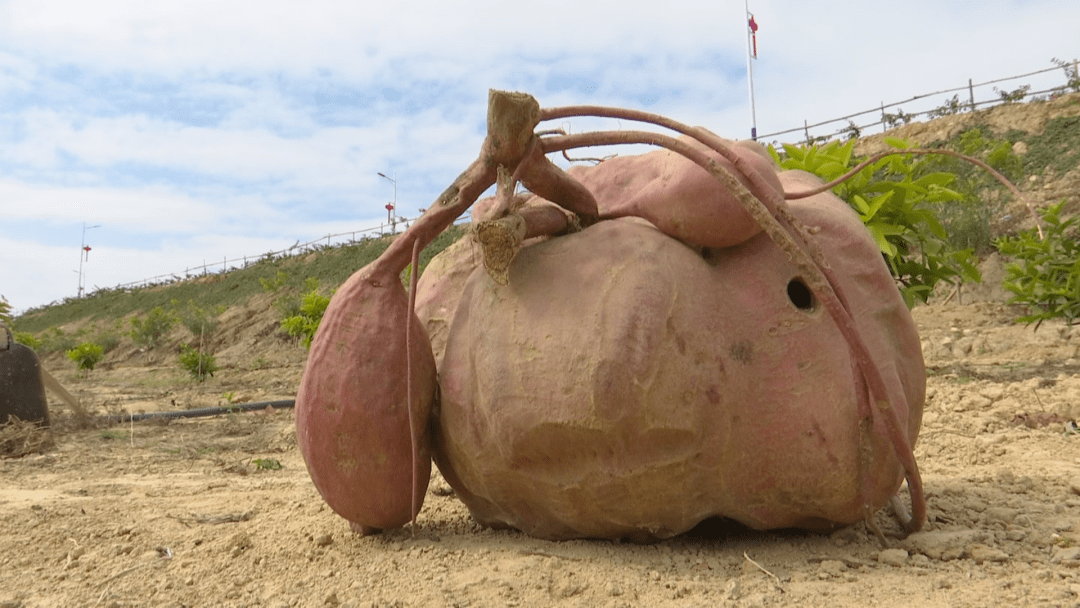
(22, 393)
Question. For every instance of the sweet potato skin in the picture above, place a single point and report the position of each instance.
(352, 417)
(677, 196)
(625, 385)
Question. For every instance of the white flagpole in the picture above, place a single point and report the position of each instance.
(750, 73)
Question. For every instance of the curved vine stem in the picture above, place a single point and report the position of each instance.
(414, 271)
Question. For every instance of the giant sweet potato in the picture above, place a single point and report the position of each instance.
(623, 384)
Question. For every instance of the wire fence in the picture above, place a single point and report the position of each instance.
(298, 248)
(953, 105)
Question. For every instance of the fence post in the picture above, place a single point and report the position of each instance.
(971, 93)
(884, 125)
(806, 130)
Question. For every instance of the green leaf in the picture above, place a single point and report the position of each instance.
(875, 204)
(935, 179)
(880, 232)
(896, 142)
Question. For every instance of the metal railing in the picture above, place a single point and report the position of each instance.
(952, 106)
(296, 249)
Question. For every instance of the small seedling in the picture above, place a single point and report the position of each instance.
(86, 356)
(267, 464)
(198, 363)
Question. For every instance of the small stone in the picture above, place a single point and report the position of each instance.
(613, 589)
(1001, 515)
(832, 567)
(981, 553)
(1065, 554)
(943, 545)
(731, 590)
(324, 540)
(893, 557)
(1074, 485)
(332, 599)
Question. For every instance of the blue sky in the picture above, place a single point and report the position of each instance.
(194, 131)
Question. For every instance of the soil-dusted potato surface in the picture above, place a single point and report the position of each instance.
(181, 514)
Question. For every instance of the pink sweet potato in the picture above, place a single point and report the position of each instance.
(678, 196)
(352, 409)
(623, 384)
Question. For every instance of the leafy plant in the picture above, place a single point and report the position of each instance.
(1072, 79)
(1046, 276)
(150, 332)
(267, 464)
(27, 339)
(1014, 95)
(951, 106)
(5, 311)
(900, 118)
(892, 198)
(86, 355)
(851, 131)
(198, 363)
(306, 321)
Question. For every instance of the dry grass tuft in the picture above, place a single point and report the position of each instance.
(19, 438)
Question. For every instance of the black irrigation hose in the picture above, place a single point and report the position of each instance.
(196, 413)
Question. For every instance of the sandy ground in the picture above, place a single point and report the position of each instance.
(182, 514)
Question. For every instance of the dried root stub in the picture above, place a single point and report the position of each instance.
(501, 239)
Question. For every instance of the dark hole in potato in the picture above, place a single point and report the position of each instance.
(800, 295)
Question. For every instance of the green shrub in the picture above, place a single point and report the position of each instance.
(306, 321)
(150, 332)
(893, 198)
(5, 311)
(27, 339)
(198, 363)
(1046, 276)
(86, 355)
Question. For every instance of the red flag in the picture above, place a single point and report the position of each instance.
(86, 248)
(753, 34)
